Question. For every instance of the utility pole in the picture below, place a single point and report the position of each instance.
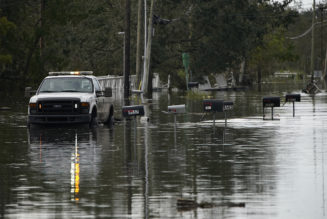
(145, 41)
(321, 7)
(323, 62)
(124, 56)
(147, 77)
(138, 43)
(313, 39)
(127, 49)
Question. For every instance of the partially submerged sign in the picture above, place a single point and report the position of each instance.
(137, 110)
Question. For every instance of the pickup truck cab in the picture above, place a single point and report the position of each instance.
(70, 98)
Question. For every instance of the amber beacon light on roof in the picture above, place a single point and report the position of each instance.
(71, 73)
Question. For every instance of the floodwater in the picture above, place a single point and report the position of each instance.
(140, 169)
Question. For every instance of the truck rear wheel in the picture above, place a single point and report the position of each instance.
(110, 120)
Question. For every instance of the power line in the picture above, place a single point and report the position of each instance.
(307, 31)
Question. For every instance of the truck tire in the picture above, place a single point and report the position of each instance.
(94, 121)
(110, 120)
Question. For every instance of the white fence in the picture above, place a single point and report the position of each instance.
(116, 82)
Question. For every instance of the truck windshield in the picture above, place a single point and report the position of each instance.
(66, 84)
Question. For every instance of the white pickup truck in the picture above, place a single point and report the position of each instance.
(70, 98)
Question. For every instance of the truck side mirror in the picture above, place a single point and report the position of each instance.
(99, 93)
(108, 92)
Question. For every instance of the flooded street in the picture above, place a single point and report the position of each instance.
(140, 170)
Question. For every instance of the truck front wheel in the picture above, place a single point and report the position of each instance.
(93, 122)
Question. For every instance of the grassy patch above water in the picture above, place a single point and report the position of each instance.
(197, 95)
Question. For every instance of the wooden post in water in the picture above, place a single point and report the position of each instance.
(214, 119)
(225, 118)
(293, 109)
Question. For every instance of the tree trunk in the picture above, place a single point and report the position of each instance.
(242, 70)
(42, 9)
(259, 75)
(325, 69)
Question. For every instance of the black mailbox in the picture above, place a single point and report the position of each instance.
(228, 105)
(271, 102)
(129, 111)
(193, 84)
(293, 98)
(213, 105)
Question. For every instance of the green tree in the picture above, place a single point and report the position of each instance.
(5, 28)
(82, 35)
(218, 34)
(275, 49)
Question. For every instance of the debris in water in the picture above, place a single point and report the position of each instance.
(4, 108)
(187, 205)
(311, 88)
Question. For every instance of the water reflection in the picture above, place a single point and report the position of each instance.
(146, 168)
(65, 162)
(74, 172)
(54, 146)
(37, 133)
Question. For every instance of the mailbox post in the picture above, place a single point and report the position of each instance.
(293, 98)
(213, 106)
(228, 105)
(133, 111)
(270, 102)
(176, 109)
